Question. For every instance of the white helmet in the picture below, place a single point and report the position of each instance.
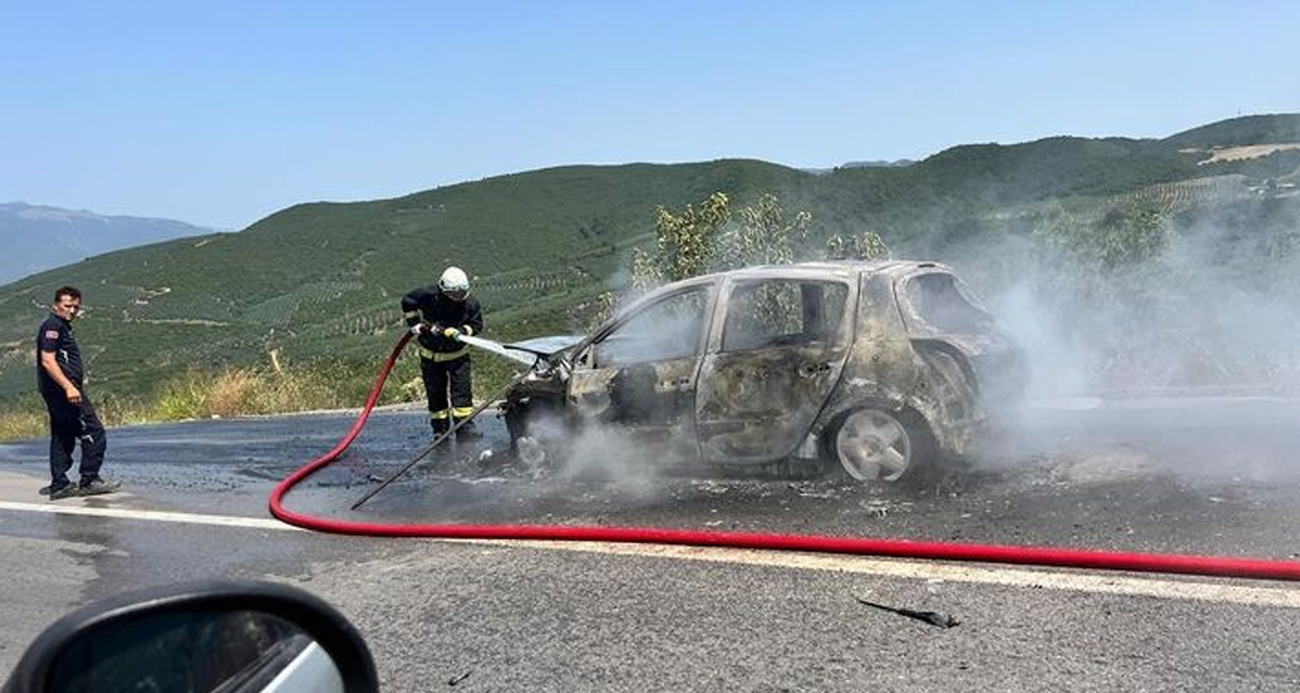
(454, 279)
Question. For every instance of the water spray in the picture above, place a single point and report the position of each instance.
(517, 355)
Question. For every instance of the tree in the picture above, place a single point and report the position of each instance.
(1127, 235)
(685, 243)
(1130, 235)
(763, 236)
(709, 237)
(867, 245)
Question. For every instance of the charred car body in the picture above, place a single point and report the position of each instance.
(882, 368)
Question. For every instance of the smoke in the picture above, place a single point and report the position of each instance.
(1134, 322)
(1184, 354)
(1205, 314)
(627, 406)
(601, 453)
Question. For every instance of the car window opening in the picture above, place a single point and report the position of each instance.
(938, 301)
(777, 313)
(666, 330)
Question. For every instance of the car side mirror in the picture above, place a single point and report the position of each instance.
(586, 357)
(210, 636)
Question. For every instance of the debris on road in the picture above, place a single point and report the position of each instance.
(457, 679)
(878, 509)
(933, 618)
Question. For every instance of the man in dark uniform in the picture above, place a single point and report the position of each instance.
(60, 378)
(438, 315)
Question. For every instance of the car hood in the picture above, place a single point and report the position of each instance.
(547, 346)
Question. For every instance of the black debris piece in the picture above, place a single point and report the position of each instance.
(933, 618)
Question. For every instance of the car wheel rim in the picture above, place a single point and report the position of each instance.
(873, 445)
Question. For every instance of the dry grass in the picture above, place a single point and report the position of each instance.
(1252, 151)
(244, 391)
(25, 419)
(199, 394)
(233, 393)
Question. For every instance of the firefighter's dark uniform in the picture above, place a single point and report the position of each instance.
(445, 361)
(68, 422)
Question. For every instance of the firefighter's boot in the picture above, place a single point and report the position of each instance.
(468, 432)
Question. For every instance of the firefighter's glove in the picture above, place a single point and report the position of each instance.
(418, 329)
(451, 333)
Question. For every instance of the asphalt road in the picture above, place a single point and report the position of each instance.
(1211, 476)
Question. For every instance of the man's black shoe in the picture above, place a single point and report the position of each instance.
(440, 427)
(468, 432)
(45, 490)
(65, 491)
(99, 487)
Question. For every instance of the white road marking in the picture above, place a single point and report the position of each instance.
(1189, 587)
(151, 515)
(1199, 589)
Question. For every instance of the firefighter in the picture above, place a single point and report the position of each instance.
(438, 315)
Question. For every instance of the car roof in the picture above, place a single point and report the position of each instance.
(843, 268)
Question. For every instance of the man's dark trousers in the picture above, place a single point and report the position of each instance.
(68, 423)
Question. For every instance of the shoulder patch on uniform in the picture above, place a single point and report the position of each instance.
(51, 334)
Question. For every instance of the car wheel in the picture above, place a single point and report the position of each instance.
(873, 444)
(524, 417)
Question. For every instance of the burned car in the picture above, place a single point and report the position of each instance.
(879, 368)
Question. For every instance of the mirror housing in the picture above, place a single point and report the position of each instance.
(129, 620)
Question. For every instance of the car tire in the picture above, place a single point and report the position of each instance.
(874, 444)
(521, 416)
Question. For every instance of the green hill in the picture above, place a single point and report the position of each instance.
(1237, 132)
(322, 280)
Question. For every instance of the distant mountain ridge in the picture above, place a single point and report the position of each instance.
(41, 237)
(876, 163)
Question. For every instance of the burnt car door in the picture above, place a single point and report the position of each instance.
(639, 376)
(767, 373)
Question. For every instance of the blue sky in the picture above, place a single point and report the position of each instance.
(219, 113)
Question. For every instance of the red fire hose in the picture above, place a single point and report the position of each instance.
(1223, 566)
